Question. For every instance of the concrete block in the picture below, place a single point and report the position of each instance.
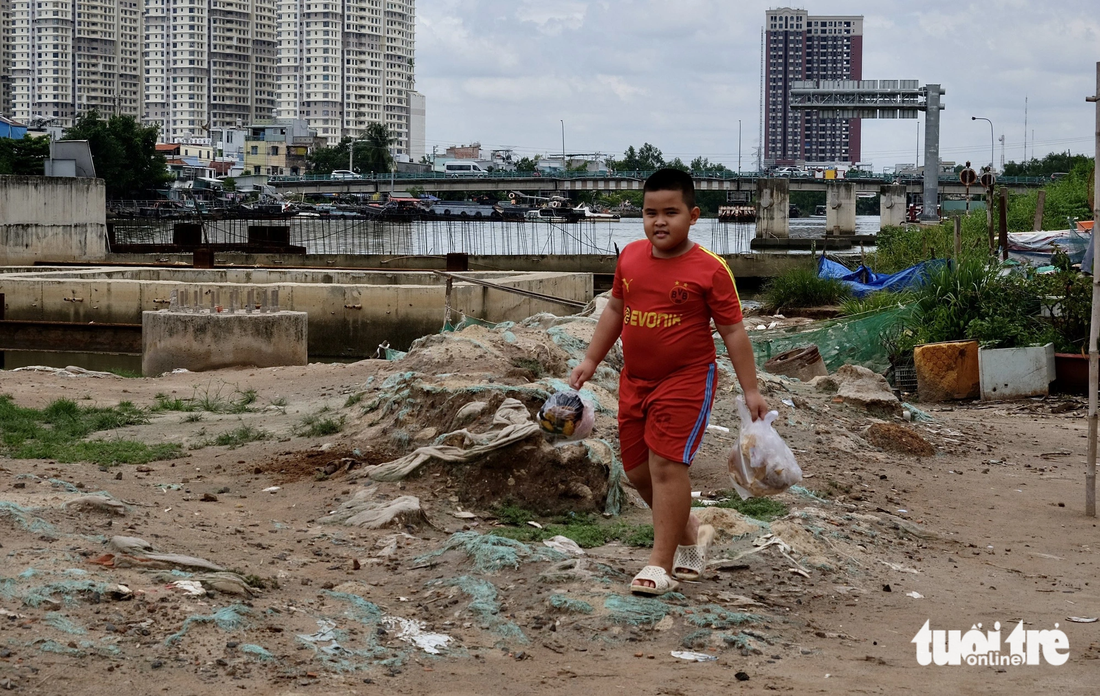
(1016, 373)
(52, 219)
(892, 208)
(840, 209)
(209, 341)
(773, 201)
(947, 371)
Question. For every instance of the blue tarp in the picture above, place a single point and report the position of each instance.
(863, 281)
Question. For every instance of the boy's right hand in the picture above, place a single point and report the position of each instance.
(582, 373)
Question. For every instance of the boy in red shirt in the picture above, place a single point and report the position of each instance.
(667, 289)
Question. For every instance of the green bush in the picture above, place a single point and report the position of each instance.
(801, 287)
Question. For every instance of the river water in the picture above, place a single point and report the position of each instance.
(475, 237)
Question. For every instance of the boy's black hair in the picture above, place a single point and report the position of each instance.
(672, 180)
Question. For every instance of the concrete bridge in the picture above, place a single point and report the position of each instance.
(618, 181)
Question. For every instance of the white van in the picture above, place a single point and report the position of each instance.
(456, 169)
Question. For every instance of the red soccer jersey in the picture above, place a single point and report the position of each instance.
(668, 305)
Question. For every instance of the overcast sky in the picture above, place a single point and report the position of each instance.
(681, 73)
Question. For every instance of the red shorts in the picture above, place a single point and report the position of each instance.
(667, 416)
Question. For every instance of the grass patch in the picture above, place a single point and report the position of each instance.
(319, 425)
(211, 401)
(586, 530)
(58, 432)
(241, 435)
(800, 287)
(763, 509)
(876, 301)
(354, 399)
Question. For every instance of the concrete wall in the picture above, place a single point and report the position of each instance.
(840, 209)
(892, 208)
(773, 200)
(350, 312)
(199, 342)
(52, 219)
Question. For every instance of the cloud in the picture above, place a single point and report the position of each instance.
(681, 74)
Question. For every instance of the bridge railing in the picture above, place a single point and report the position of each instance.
(639, 175)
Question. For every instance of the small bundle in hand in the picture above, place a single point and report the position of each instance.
(761, 463)
(567, 414)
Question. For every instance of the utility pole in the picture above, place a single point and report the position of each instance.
(738, 146)
(1094, 328)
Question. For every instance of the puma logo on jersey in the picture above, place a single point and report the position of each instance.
(626, 284)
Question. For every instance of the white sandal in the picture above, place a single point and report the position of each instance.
(690, 561)
(662, 583)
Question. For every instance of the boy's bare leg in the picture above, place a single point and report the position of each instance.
(666, 488)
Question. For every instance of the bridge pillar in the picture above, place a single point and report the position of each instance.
(840, 209)
(892, 206)
(773, 200)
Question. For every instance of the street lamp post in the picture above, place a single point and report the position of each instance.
(991, 146)
(563, 166)
(738, 146)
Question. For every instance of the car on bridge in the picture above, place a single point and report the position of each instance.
(344, 174)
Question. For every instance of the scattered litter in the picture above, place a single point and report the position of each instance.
(65, 624)
(915, 413)
(227, 619)
(326, 633)
(96, 502)
(365, 512)
(564, 545)
(491, 553)
(532, 523)
(412, 631)
(568, 604)
(257, 652)
(70, 371)
(271, 489)
(694, 656)
(463, 515)
(914, 595)
(637, 611)
(719, 429)
(133, 552)
(787, 402)
(900, 568)
(191, 588)
(1082, 619)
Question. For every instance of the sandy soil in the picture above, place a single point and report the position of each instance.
(989, 528)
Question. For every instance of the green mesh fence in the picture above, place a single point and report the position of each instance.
(857, 340)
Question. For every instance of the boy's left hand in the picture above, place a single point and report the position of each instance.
(758, 408)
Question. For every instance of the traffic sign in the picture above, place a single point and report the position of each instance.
(988, 179)
(968, 177)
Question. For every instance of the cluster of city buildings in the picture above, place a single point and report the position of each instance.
(198, 67)
(252, 86)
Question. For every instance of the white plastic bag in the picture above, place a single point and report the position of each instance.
(761, 463)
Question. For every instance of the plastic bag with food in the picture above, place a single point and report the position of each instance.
(761, 463)
(568, 415)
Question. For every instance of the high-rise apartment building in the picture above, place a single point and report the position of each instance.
(345, 64)
(5, 58)
(800, 46)
(208, 64)
(71, 56)
(190, 66)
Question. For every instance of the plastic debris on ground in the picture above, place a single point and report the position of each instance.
(483, 595)
(227, 619)
(491, 553)
(637, 611)
(570, 605)
(693, 656)
(412, 631)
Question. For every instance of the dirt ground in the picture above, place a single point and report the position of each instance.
(878, 541)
